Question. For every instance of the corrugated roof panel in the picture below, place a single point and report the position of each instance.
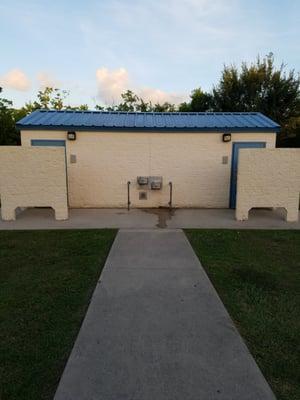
(114, 120)
(252, 121)
(263, 120)
(39, 117)
(228, 120)
(259, 121)
(68, 118)
(35, 117)
(241, 120)
(140, 121)
(104, 118)
(148, 120)
(233, 119)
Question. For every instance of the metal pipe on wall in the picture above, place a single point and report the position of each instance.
(171, 195)
(128, 195)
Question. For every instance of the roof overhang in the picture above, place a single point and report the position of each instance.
(143, 129)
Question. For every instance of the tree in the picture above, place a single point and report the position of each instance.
(164, 107)
(49, 98)
(52, 98)
(200, 102)
(261, 87)
(82, 107)
(8, 117)
(131, 102)
(292, 133)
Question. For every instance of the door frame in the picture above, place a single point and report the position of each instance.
(236, 146)
(48, 142)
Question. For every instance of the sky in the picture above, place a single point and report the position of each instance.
(161, 49)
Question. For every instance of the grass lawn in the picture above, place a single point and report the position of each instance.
(46, 281)
(257, 275)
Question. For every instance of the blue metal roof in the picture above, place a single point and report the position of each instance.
(149, 121)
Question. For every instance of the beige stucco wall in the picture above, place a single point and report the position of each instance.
(32, 177)
(107, 160)
(268, 178)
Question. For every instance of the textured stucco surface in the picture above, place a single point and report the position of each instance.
(268, 178)
(105, 161)
(33, 177)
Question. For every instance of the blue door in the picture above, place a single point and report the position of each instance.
(46, 142)
(234, 165)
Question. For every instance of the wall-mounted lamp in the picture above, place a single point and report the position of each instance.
(71, 135)
(227, 137)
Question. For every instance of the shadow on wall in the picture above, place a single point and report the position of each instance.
(277, 213)
(48, 212)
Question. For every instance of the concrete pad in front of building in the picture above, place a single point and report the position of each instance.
(156, 329)
(98, 218)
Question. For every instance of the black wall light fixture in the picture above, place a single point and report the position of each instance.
(227, 137)
(71, 135)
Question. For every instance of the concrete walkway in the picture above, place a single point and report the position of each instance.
(156, 329)
(39, 218)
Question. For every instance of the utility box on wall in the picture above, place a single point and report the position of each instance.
(152, 182)
(142, 180)
(155, 182)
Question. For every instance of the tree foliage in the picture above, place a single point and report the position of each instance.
(200, 102)
(52, 98)
(49, 98)
(131, 102)
(8, 117)
(255, 87)
(260, 87)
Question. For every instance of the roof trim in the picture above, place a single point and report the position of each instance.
(137, 129)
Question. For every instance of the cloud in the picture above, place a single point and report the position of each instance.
(174, 44)
(159, 96)
(47, 80)
(15, 79)
(112, 83)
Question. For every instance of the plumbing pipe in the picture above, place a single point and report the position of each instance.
(128, 195)
(171, 195)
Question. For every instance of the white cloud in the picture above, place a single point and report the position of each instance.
(112, 83)
(15, 79)
(47, 80)
(159, 96)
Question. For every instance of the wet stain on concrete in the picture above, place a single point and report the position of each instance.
(163, 214)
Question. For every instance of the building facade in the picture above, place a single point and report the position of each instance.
(149, 159)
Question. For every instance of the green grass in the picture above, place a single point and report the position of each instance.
(257, 275)
(46, 281)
